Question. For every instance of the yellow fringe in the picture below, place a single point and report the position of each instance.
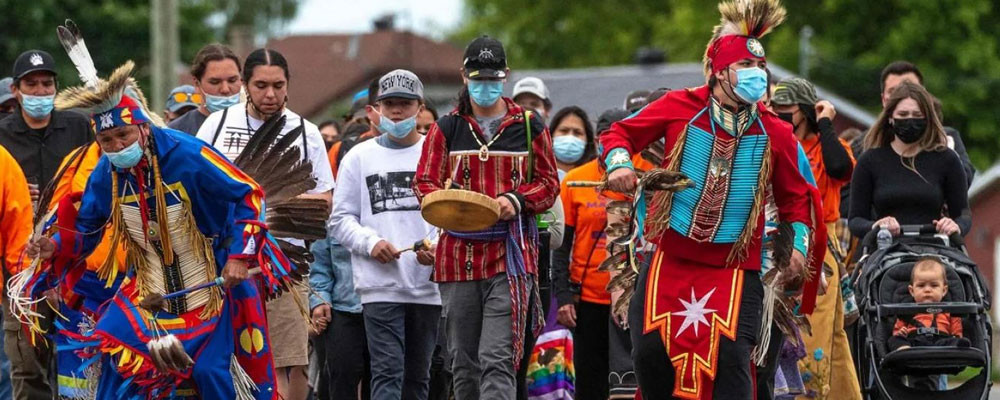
(161, 212)
(135, 257)
(659, 221)
(108, 271)
(739, 251)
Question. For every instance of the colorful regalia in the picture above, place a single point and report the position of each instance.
(81, 291)
(696, 314)
(178, 215)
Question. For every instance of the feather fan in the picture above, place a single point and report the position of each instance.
(275, 162)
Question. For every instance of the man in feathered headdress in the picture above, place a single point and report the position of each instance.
(696, 314)
(186, 322)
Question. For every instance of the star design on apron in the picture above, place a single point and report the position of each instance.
(694, 312)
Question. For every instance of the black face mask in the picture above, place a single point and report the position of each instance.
(909, 130)
(787, 117)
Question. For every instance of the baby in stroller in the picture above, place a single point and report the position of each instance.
(928, 284)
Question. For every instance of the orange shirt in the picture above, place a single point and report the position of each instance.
(74, 180)
(584, 209)
(945, 324)
(829, 188)
(15, 214)
(332, 155)
(640, 164)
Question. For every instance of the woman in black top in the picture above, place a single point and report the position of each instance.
(907, 175)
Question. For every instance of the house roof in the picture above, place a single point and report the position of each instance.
(598, 89)
(326, 68)
(983, 182)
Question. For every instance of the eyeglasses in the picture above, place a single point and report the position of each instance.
(182, 97)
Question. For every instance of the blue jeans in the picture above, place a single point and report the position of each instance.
(401, 332)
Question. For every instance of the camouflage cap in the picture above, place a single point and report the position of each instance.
(794, 91)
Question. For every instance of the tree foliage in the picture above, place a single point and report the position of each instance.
(954, 42)
(119, 30)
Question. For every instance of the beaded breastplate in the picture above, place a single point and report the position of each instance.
(726, 170)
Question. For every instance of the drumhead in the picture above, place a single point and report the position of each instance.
(460, 210)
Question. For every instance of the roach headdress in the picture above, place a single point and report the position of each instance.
(738, 34)
(114, 102)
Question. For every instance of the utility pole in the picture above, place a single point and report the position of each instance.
(805, 50)
(166, 50)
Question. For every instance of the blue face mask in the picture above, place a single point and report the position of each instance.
(568, 149)
(399, 129)
(218, 103)
(751, 84)
(37, 107)
(485, 93)
(127, 157)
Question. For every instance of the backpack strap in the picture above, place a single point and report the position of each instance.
(218, 129)
(305, 143)
(531, 151)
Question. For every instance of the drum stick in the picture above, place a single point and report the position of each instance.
(423, 244)
(584, 183)
(156, 301)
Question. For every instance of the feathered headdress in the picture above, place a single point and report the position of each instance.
(737, 36)
(111, 103)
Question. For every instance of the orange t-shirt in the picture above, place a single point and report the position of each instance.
(332, 155)
(585, 210)
(74, 180)
(15, 214)
(945, 324)
(829, 188)
(640, 164)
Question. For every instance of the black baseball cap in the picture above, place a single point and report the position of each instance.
(32, 61)
(485, 58)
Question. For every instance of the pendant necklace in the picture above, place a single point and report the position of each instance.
(484, 148)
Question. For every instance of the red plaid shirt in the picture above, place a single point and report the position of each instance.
(451, 152)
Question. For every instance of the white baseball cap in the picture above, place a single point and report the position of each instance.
(531, 85)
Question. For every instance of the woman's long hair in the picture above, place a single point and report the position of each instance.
(880, 134)
(933, 138)
(589, 152)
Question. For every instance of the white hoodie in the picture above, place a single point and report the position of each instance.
(374, 201)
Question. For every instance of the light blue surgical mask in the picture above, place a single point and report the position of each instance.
(751, 84)
(37, 107)
(485, 93)
(568, 149)
(218, 103)
(127, 157)
(399, 129)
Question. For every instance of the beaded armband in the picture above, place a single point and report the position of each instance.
(801, 241)
(618, 158)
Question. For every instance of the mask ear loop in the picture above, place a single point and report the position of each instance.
(732, 90)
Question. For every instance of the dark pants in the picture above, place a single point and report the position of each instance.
(735, 375)
(621, 374)
(401, 339)
(590, 358)
(765, 373)
(344, 361)
(440, 367)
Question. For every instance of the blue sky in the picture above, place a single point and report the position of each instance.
(430, 17)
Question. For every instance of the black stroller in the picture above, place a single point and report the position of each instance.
(881, 281)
